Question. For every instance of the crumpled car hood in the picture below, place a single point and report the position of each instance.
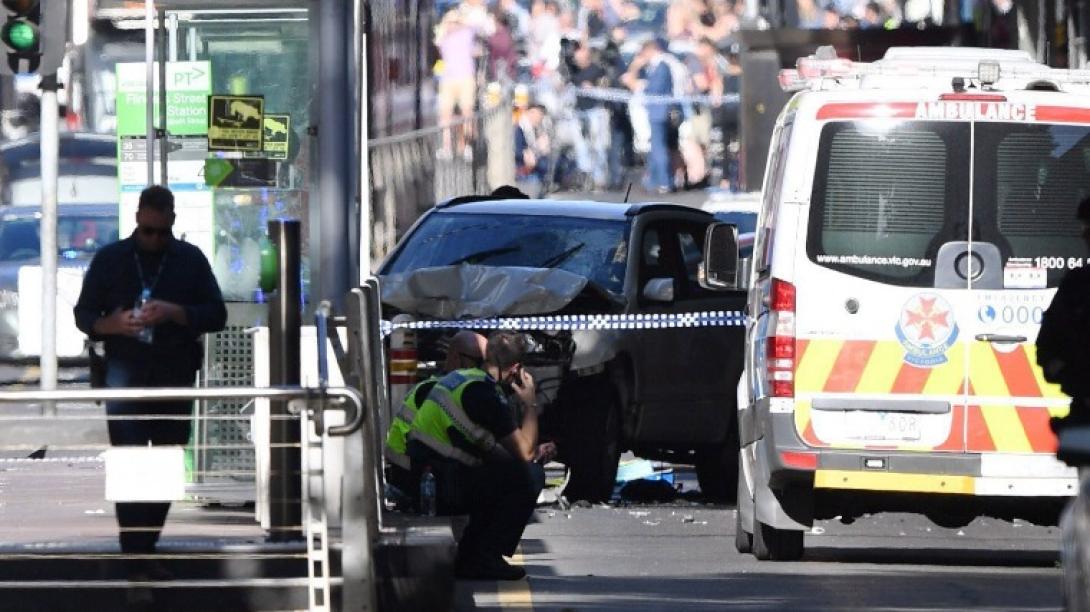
(470, 291)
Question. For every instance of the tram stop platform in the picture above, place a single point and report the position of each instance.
(59, 551)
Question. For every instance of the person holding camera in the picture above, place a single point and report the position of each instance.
(486, 462)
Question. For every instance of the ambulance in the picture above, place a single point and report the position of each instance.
(917, 216)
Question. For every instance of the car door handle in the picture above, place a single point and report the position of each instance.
(1000, 338)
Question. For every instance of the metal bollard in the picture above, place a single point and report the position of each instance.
(285, 460)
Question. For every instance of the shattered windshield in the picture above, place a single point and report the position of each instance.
(594, 248)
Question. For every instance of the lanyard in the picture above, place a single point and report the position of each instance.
(140, 271)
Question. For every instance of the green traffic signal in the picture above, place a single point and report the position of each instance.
(20, 35)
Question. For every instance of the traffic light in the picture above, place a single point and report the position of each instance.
(33, 36)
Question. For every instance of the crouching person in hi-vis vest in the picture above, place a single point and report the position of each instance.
(486, 462)
(465, 350)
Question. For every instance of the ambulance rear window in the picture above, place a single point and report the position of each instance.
(1029, 180)
(886, 196)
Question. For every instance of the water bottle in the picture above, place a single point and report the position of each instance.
(427, 493)
(147, 332)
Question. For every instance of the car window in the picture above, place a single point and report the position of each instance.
(85, 234)
(771, 192)
(745, 221)
(19, 240)
(593, 248)
(691, 241)
(659, 256)
(1029, 180)
(652, 247)
(885, 198)
(77, 236)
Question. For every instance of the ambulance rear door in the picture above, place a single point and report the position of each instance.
(1029, 177)
(881, 340)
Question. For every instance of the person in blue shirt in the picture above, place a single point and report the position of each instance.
(182, 302)
(650, 74)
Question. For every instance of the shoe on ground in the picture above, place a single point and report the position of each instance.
(487, 568)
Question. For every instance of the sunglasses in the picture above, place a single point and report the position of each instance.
(162, 232)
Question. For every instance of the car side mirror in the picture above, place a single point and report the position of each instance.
(720, 257)
(659, 290)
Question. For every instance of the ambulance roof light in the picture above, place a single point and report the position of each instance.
(790, 80)
(988, 72)
(813, 67)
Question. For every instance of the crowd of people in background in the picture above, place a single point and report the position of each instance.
(605, 86)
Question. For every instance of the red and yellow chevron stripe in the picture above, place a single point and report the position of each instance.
(1009, 402)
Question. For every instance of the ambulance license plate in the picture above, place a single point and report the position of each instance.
(900, 426)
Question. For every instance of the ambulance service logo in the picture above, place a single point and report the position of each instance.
(926, 329)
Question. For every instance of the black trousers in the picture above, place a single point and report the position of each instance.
(139, 523)
(499, 497)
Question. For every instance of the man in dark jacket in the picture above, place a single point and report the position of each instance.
(150, 297)
(1063, 343)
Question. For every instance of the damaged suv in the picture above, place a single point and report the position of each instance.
(665, 393)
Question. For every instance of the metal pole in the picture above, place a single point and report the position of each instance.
(149, 76)
(352, 400)
(172, 32)
(285, 486)
(360, 499)
(163, 134)
(191, 44)
(49, 150)
(363, 150)
(334, 151)
(321, 324)
(379, 401)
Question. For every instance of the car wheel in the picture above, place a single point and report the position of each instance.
(717, 469)
(771, 544)
(595, 442)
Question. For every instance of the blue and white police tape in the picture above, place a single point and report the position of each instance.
(615, 94)
(580, 322)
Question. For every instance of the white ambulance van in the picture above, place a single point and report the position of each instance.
(917, 215)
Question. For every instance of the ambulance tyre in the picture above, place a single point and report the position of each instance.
(596, 438)
(743, 540)
(771, 544)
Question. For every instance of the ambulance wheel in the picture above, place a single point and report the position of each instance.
(717, 470)
(595, 443)
(743, 540)
(771, 544)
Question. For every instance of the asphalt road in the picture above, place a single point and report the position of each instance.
(681, 557)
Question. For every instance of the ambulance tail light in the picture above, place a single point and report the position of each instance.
(799, 459)
(781, 344)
